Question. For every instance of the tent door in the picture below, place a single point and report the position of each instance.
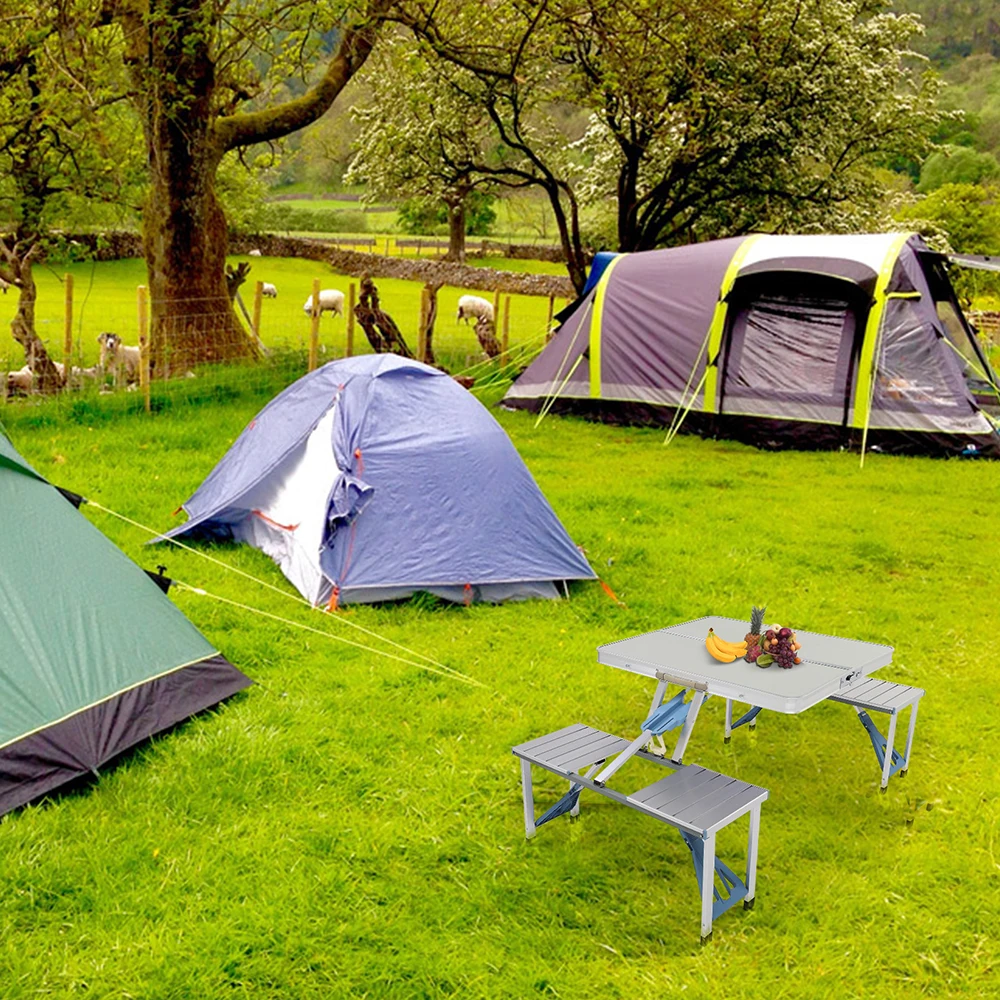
(790, 347)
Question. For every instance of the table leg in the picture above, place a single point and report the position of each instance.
(729, 719)
(707, 887)
(529, 799)
(909, 737)
(752, 841)
(661, 690)
(692, 715)
(887, 762)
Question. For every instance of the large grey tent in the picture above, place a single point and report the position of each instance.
(94, 657)
(801, 341)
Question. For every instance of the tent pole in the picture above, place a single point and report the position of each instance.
(871, 397)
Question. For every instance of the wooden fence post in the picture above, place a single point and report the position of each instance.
(422, 328)
(352, 297)
(258, 298)
(68, 334)
(548, 320)
(505, 340)
(314, 327)
(496, 312)
(143, 306)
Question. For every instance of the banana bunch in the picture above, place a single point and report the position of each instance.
(724, 652)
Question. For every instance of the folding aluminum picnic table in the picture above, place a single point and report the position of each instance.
(677, 655)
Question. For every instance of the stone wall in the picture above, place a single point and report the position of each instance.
(435, 272)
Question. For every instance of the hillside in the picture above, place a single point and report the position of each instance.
(957, 30)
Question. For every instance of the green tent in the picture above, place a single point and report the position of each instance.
(93, 655)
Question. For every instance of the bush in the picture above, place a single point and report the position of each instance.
(288, 218)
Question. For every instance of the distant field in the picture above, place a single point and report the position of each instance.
(522, 217)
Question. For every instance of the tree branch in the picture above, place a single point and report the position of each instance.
(269, 124)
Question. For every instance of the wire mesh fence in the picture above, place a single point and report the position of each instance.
(148, 354)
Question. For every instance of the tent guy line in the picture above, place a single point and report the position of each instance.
(277, 590)
(448, 672)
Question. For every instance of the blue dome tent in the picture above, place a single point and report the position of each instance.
(374, 477)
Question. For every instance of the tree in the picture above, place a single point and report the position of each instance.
(707, 119)
(957, 165)
(53, 144)
(420, 139)
(201, 72)
(963, 218)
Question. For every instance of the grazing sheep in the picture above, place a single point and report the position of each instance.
(78, 372)
(254, 253)
(269, 291)
(118, 356)
(473, 305)
(21, 381)
(330, 300)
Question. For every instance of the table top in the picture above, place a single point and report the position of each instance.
(829, 663)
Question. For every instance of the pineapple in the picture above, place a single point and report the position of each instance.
(752, 638)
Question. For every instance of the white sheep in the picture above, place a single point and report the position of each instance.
(330, 300)
(268, 290)
(22, 380)
(118, 356)
(473, 305)
(254, 253)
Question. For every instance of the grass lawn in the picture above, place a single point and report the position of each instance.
(105, 299)
(351, 826)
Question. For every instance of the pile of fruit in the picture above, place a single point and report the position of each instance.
(775, 645)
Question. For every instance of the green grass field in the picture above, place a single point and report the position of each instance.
(351, 826)
(105, 299)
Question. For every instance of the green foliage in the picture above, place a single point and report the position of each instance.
(966, 219)
(419, 217)
(957, 165)
(243, 190)
(967, 214)
(288, 218)
(291, 844)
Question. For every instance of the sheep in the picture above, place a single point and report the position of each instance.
(78, 372)
(118, 356)
(330, 300)
(254, 253)
(20, 381)
(269, 291)
(473, 305)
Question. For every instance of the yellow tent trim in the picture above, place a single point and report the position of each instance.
(595, 327)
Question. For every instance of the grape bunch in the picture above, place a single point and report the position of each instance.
(779, 646)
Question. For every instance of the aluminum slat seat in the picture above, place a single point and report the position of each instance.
(871, 695)
(694, 800)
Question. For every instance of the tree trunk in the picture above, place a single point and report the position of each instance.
(185, 241)
(22, 327)
(456, 229)
(627, 187)
(430, 319)
(184, 229)
(486, 335)
(380, 328)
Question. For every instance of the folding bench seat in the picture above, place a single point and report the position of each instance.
(694, 800)
(871, 695)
